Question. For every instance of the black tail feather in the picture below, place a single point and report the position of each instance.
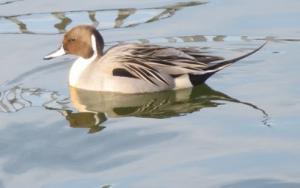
(219, 66)
(199, 79)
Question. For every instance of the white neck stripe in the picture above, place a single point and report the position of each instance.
(94, 45)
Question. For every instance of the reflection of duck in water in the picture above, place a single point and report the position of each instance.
(95, 107)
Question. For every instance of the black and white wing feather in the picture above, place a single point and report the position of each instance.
(157, 64)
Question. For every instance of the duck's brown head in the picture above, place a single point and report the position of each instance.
(84, 41)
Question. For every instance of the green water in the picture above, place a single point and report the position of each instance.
(239, 130)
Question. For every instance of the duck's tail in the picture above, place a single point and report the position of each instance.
(219, 66)
(197, 79)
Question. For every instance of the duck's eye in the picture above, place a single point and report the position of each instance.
(72, 40)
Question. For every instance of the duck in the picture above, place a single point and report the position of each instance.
(132, 68)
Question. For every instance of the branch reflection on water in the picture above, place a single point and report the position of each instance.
(59, 22)
(88, 109)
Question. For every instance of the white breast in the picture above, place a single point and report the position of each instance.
(77, 68)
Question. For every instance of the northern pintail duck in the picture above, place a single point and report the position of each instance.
(135, 68)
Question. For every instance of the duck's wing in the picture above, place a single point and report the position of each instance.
(170, 60)
(156, 64)
(201, 56)
(152, 63)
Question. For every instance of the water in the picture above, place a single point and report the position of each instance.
(240, 130)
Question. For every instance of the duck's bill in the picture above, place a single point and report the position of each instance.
(56, 53)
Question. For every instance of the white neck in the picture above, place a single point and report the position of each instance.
(81, 64)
